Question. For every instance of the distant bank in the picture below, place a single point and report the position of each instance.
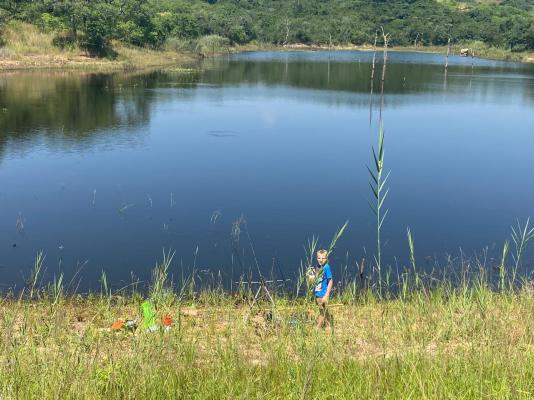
(26, 47)
(478, 49)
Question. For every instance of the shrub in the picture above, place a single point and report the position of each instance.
(130, 32)
(212, 44)
(51, 23)
(98, 29)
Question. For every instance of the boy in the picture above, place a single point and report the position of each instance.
(323, 287)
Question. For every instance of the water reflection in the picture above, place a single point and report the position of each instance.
(401, 78)
(74, 106)
(75, 109)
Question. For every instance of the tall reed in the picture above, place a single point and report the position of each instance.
(35, 273)
(502, 265)
(337, 235)
(521, 236)
(411, 246)
(159, 291)
(380, 191)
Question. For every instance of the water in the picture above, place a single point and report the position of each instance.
(104, 171)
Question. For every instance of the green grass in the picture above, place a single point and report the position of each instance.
(445, 342)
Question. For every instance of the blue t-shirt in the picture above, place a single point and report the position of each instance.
(320, 288)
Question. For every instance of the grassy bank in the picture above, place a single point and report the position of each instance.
(27, 47)
(468, 343)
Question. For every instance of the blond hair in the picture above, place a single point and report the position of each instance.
(322, 252)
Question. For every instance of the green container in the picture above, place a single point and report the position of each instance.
(149, 316)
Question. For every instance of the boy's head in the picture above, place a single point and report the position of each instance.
(322, 257)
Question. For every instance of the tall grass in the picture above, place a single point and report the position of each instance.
(465, 342)
(521, 236)
(35, 273)
(26, 39)
(336, 237)
(159, 291)
(502, 265)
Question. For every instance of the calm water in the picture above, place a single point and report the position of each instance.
(106, 171)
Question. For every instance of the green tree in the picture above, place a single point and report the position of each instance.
(98, 26)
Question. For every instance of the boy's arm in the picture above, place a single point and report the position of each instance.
(328, 289)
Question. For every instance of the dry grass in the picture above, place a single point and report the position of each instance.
(27, 47)
(212, 350)
(367, 331)
(25, 39)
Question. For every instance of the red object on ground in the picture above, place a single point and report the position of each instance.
(117, 325)
(167, 320)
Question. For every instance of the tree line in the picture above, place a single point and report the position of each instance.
(93, 24)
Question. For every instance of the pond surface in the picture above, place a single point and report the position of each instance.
(104, 171)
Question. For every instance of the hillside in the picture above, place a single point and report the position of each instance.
(178, 24)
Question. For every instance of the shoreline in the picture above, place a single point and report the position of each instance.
(92, 67)
(80, 62)
(481, 51)
(136, 59)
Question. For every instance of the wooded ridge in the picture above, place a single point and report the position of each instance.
(92, 25)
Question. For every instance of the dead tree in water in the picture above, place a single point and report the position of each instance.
(385, 36)
(448, 52)
(446, 63)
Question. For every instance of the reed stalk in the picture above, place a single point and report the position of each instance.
(336, 237)
(160, 274)
(385, 37)
(411, 246)
(521, 236)
(380, 191)
(502, 266)
(36, 272)
(57, 291)
(372, 80)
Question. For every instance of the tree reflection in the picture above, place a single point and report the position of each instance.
(353, 77)
(72, 107)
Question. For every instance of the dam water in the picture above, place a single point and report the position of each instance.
(260, 151)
